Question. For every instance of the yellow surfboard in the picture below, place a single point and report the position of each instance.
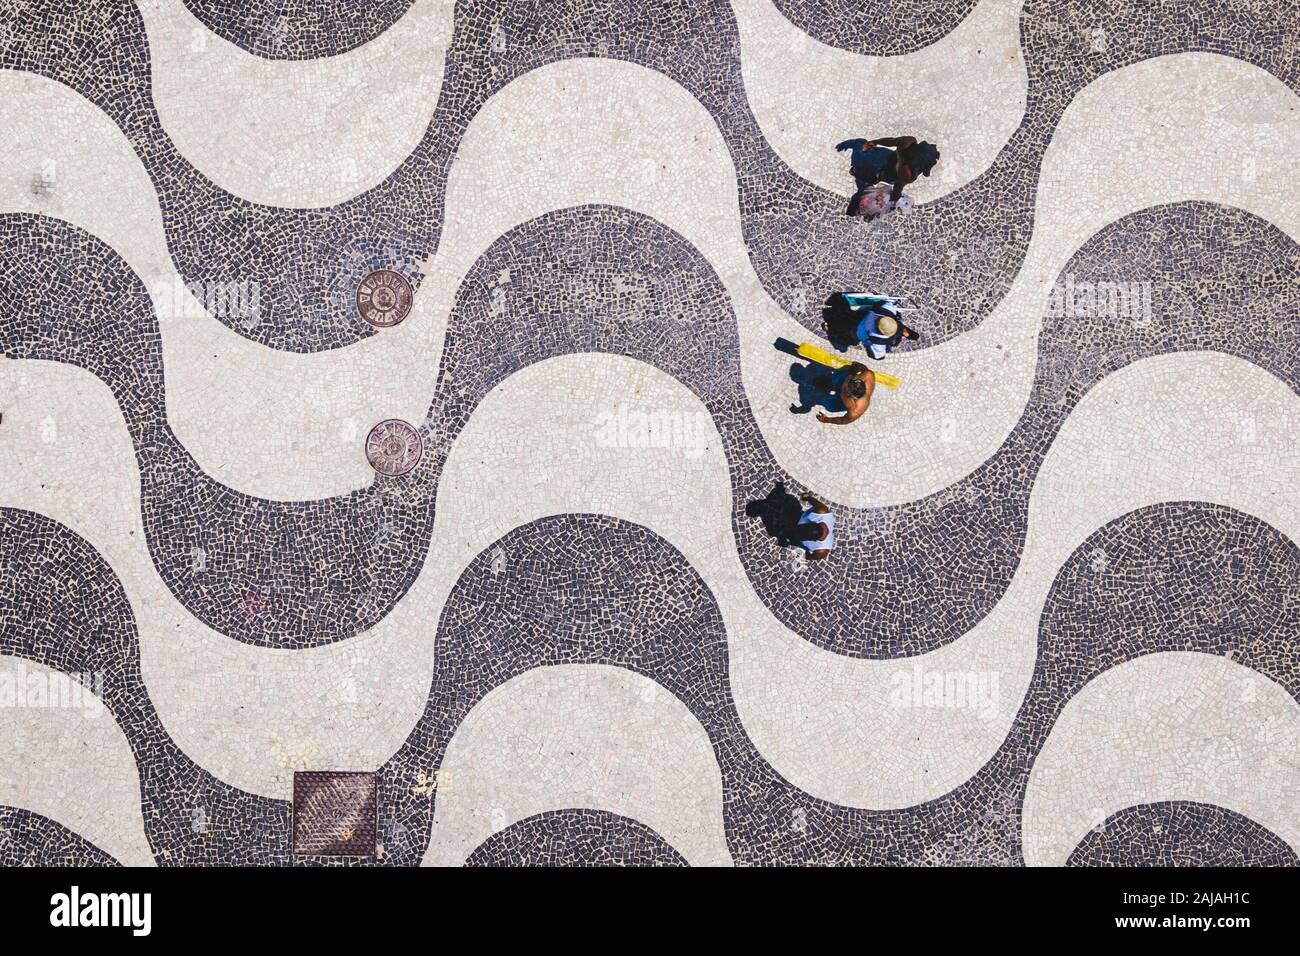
(814, 354)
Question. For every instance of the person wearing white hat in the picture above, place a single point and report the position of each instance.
(866, 319)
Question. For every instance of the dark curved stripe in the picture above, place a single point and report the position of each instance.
(63, 607)
(310, 29)
(275, 573)
(876, 27)
(908, 578)
(30, 839)
(583, 589)
(1181, 833)
(576, 837)
(298, 29)
(904, 579)
(592, 589)
(956, 258)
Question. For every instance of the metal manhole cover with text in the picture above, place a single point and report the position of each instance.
(384, 298)
(394, 447)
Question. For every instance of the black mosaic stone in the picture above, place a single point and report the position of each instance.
(274, 573)
(592, 589)
(1179, 576)
(575, 837)
(298, 29)
(62, 607)
(876, 27)
(29, 839)
(1181, 833)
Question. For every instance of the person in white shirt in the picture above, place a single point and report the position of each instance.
(815, 531)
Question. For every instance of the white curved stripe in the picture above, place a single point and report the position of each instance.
(69, 762)
(1174, 726)
(249, 715)
(275, 424)
(960, 399)
(302, 133)
(290, 426)
(965, 92)
(830, 724)
(580, 736)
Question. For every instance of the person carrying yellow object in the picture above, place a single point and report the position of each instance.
(848, 390)
(812, 353)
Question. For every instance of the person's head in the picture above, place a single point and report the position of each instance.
(886, 325)
(921, 158)
(856, 387)
(810, 531)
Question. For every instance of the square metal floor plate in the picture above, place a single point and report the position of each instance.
(334, 813)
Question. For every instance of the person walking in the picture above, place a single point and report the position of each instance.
(897, 160)
(815, 531)
(850, 390)
(871, 321)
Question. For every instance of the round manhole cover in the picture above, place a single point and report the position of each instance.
(384, 298)
(393, 447)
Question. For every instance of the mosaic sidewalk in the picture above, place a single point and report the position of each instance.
(396, 417)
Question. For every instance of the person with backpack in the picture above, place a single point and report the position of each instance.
(898, 160)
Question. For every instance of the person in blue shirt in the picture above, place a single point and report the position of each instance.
(897, 160)
(879, 332)
(867, 320)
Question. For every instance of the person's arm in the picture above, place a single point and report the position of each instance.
(902, 172)
(852, 415)
(897, 142)
(850, 144)
(816, 505)
(902, 176)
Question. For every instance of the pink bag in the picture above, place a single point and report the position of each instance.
(874, 202)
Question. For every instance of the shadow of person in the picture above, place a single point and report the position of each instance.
(814, 383)
(779, 512)
(841, 322)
